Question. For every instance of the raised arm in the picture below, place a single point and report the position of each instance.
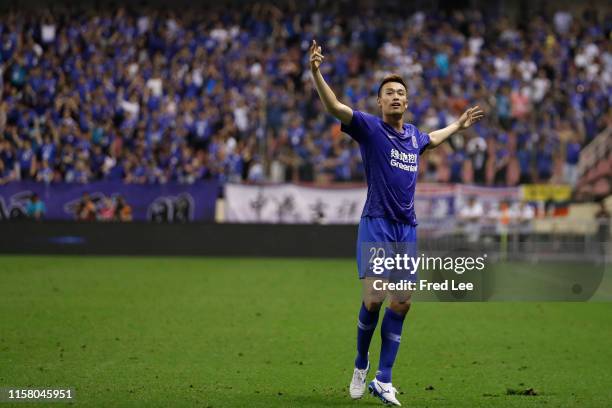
(331, 103)
(467, 119)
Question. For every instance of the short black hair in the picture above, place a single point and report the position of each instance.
(392, 78)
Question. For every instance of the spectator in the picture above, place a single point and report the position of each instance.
(544, 161)
(522, 215)
(45, 173)
(477, 151)
(35, 208)
(502, 158)
(501, 216)
(470, 216)
(503, 106)
(107, 212)
(86, 209)
(524, 158)
(256, 170)
(6, 175)
(572, 155)
(456, 160)
(123, 211)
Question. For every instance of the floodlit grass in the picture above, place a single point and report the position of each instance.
(221, 332)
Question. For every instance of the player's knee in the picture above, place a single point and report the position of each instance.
(400, 307)
(372, 306)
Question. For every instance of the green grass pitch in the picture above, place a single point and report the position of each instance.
(218, 332)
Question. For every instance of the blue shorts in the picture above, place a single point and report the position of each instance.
(381, 237)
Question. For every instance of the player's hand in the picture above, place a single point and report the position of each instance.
(316, 58)
(470, 117)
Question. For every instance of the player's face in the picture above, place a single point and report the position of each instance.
(393, 99)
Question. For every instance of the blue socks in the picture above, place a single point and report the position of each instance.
(365, 329)
(391, 334)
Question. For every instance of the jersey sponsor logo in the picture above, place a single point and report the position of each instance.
(403, 160)
(405, 167)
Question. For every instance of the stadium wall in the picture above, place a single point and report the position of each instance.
(207, 239)
(193, 239)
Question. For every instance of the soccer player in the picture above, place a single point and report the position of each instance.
(390, 151)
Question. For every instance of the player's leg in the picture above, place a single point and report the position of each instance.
(372, 301)
(366, 325)
(371, 234)
(391, 335)
(370, 307)
(393, 322)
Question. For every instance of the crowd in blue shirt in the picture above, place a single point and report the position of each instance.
(152, 96)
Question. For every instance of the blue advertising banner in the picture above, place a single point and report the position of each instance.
(162, 203)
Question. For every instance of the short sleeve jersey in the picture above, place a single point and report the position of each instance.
(391, 162)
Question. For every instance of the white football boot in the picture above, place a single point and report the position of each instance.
(358, 382)
(385, 391)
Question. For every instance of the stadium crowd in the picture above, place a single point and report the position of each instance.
(153, 96)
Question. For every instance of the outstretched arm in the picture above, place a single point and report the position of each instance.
(331, 103)
(467, 119)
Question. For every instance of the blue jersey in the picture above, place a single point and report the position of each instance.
(391, 163)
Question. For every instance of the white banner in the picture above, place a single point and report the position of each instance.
(436, 204)
(293, 204)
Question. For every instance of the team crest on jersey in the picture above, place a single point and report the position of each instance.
(414, 142)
